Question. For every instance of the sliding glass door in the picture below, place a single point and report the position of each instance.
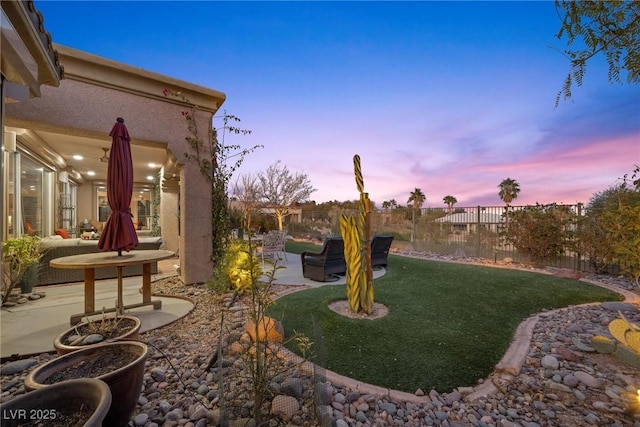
(29, 196)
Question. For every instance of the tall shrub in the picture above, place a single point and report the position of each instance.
(621, 220)
(610, 230)
(541, 231)
(592, 241)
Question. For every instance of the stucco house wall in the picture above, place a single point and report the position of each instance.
(94, 92)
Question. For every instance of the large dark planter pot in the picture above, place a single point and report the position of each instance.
(124, 379)
(51, 406)
(133, 334)
(29, 279)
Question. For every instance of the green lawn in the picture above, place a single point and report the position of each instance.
(299, 247)
(448, 324)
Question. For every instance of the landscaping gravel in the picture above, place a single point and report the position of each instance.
(561, 383)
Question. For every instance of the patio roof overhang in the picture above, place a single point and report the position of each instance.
(28, 57)
(72, 118)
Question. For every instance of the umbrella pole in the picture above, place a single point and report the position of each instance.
(120, 307)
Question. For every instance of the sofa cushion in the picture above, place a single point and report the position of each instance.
(49, 242)
(157, 239)
(58, 241)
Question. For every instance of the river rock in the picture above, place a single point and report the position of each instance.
(92, 339)
(619, 306)
(284, 406)
(549, 362)
(588, 379)
(17, 366)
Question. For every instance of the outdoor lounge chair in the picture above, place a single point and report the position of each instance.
(380, 245)
(326, 265)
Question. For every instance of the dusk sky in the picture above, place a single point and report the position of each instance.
(449, 97)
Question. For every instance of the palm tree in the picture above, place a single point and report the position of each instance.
(450, 201)
(416, 198)
(509, 190)
(389, 204)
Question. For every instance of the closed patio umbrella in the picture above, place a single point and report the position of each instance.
(119, 233)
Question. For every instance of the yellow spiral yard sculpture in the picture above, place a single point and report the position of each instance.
(356, 233)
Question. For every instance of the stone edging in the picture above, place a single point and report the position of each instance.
(511, 363)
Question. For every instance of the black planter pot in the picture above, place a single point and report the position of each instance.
(125, 381)
(29, 279)
(133, 334)
(47, 406)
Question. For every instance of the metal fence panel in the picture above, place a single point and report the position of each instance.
(474, 231)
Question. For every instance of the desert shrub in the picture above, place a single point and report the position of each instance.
(592, 242)
(265, 221)
(238, 269)
(301, 229)
(610, 230)
(235, 218)
(432, 232)
(541, 231)
(18, 255)
(621, 221)
(483, 239)
(592, 239)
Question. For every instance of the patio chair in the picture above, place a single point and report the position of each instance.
(327, 264)
(380, 245)
(272, 246)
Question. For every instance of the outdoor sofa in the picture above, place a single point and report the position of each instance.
(56, 247)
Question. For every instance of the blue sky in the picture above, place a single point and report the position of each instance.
(448, 97)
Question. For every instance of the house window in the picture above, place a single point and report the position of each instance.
(141, 206)
(141, 209)
(103, 204)
(67, 216)
(30, 194)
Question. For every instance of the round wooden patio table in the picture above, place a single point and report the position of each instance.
(89, 262)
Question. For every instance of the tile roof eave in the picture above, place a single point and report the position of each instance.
(45, 37)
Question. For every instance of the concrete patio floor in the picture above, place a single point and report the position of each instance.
(291, 274)
(30, 328)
